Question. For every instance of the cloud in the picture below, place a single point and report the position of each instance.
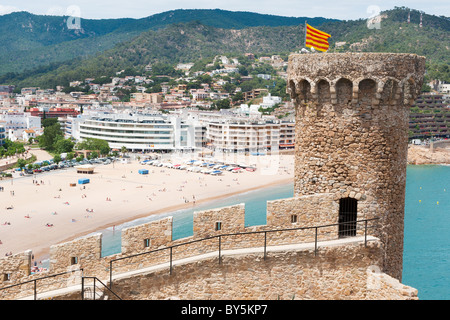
(104, 9)
(7, 9)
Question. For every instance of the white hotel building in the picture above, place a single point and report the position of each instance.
(15, 123)
(185, 131)
(141, 132)
(243, 135)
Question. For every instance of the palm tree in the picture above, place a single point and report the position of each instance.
(123, 150)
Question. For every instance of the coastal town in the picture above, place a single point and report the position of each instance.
(207, 154)
(221, 107)
(231, 104)
(198, 121)
(208, 132)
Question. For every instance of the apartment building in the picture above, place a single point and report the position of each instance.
(244, 135)
(2, 134)
(287, 135)
(14, 124)
(140, 132)
(429, 117)
(53, 112)
(253, 94)
(153, 98)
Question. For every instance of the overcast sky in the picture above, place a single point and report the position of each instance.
(338, 9)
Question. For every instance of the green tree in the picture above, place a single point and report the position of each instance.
(57, 158)
(10, 148)
(243, 71)
(21, 163)
(94, 144)
(70, 156)
(222, 104)
(104, 149)
(64, 145)
(50, 136)
(239, 96)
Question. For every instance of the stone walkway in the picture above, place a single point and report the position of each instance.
(224, 253)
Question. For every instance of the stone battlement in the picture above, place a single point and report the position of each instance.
(85, 252)
(351, 78)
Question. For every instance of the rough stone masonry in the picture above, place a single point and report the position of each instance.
(352, 112)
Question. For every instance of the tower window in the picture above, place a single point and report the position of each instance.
(347, 217)
(293, 218)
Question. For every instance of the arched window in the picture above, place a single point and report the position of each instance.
(293, 93)
(367, 91)
(323, 91)
(344, 91)
(304, 90)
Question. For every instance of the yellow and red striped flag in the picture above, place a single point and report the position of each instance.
(316, 38)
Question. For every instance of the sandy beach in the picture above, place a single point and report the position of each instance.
(38, 211)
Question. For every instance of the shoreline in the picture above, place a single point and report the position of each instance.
(43, 254)
(421, 155)
(42, 210)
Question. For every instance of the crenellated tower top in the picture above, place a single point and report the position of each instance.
(340, 78)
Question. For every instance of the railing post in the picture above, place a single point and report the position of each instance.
(365, 233)
(220, 247)
(35, 290)
(170, 260)
(315, 244)
(82, 288)
(110, 274)
(265, 244)
(94, 288)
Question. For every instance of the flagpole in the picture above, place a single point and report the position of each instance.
(305, 33)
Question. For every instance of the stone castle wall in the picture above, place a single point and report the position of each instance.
(85, 253)
(352, 113)
(337, 273)
(351, 143)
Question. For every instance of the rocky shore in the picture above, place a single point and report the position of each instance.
(422, 155)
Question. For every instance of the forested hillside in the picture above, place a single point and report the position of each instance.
(34, 41)
(170, 43)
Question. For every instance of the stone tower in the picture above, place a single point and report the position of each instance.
(352, 113)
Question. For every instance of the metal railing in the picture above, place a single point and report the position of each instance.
(35, 281)
(94, 293)
(265, 232)
(316, 229)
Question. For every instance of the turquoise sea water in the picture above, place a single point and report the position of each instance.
(426, 256)
(426, 264)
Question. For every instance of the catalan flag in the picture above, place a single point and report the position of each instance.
(316, 38)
